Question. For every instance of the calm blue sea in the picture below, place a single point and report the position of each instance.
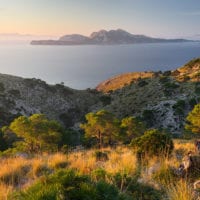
(82, 67)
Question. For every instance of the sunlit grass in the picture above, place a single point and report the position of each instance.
(20, 173)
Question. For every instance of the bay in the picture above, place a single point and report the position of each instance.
(82, 67)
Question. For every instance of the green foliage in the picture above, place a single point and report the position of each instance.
(105, 99)
(179, 107)
(141, 191)
(167, 73)
(37, 133)
(148, 117)
(7, 138)
(197, 90)
(153, 143)
(192, 102)
(99, 174)
(142, 83)
(67, 184)
(164, 79)
(131, 128)
(66, 119)
(70, 137)
(171, 85)
(193, 120)
(106, 191)
(103, 126)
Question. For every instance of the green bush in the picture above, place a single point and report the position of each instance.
(140, 191)
(153, 143)
(105, 99)
(179, 107)
(67, 184)
(142, 83)
(148, 117)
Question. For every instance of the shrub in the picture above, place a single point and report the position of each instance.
(148, 117)
(67, 184)
(142, 83)
(164, 79)
(106, 191)
(99, 174)
(179, 107)
(153, 143)
(105, 99)
(140, 191)
(167, 73)
(192, 102)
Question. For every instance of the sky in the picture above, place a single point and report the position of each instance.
(158, 18)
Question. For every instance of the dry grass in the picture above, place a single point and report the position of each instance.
(13, 171)
(180, 191)
(57, 160)
(123, 161)
(120, 81)
(4, 191)
(22, 172)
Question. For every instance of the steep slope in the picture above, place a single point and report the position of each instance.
(190, 71)
(122, 80)
(161, 99)
(20, 96)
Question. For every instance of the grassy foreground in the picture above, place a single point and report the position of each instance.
(118, 175)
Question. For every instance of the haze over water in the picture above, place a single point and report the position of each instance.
(82, 67)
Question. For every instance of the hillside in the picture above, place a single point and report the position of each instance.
(20, 96)
(161, 99)
(103, 37)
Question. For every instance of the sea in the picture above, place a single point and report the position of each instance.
(82, 67)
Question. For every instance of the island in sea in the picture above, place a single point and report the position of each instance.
(103, 37)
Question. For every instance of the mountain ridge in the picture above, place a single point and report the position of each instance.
(103, 37)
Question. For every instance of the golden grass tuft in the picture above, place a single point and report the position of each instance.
(180, 191)
(121, 162)
(13, 170)
(57, 160)
(4, 191)
(84, 161)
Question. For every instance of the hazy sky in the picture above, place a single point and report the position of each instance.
(163, 18)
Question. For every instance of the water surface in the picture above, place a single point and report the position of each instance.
(82, 67)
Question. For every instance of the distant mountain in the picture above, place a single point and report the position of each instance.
(103, 37)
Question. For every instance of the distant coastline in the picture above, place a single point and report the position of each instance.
(103, 37)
